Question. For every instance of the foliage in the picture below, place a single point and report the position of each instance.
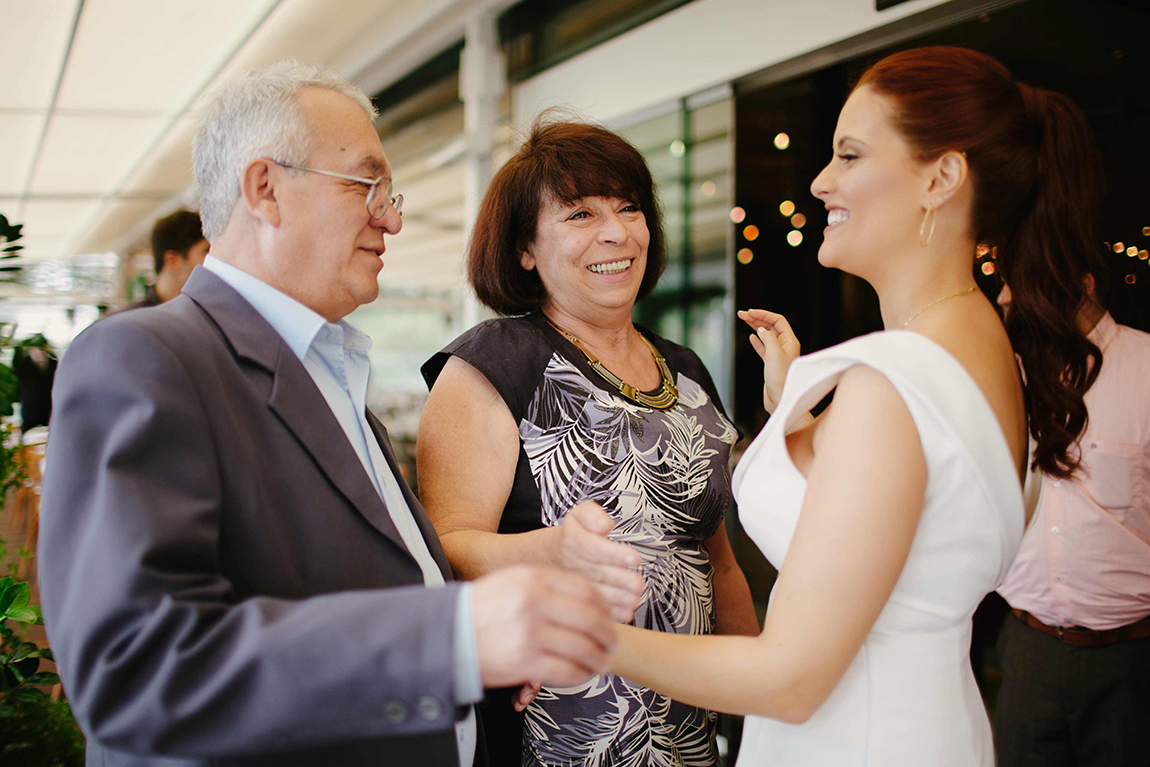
(9, 233)
(41, 733)
(34, 728)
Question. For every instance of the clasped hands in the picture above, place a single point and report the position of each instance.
(537, 623)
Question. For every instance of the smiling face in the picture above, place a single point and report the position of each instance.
(332, 249)
(590, 254)
(872, 189)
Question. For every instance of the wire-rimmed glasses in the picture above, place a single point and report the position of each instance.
(376, 203)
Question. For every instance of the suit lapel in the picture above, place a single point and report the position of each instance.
(294, 397)
(425, 527)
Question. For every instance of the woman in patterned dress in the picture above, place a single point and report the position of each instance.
(562, 433)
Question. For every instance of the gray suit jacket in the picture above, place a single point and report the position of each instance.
(220, 580)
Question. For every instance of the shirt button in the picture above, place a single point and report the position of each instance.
(429, 708)
(395, 712)
(1054, 529)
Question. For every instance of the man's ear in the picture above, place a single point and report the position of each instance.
(947, 176)
(258, 190)
(174, 261)
(526, 259)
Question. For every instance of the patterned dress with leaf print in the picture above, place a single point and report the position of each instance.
(662, 475)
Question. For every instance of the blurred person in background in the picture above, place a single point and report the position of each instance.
(232, 569)
(178, 247)
(1076, 653)
(900, 507)
(567, 435)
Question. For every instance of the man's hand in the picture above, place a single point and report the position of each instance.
(540, 624)
(776, 343)
(582, 546)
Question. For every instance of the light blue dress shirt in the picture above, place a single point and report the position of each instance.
(335, 356)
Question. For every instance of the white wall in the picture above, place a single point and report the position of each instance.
(702, 44)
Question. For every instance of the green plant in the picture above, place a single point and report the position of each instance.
(9, 233)
(34, 728)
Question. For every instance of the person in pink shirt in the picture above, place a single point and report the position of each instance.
(1076, 654)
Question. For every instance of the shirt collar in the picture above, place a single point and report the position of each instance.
(296, 324)
(1104, 332)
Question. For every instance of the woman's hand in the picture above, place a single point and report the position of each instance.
(776, 343)
(581, 545)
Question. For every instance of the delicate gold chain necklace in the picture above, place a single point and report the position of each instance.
(664, 399)
(939, 301)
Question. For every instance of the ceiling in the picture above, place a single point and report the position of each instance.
(96, 124)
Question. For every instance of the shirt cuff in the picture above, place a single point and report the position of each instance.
(468, 682)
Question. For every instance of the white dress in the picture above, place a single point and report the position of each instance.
(908, 697)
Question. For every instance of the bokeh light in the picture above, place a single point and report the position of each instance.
(782, 141)
(787, 208)
(1119, 247)
(678, 148)
(988, 267)
(751, 232)
(708, 188)
(982, 249)
(1132, 251)
(738, 214)
(794, 238)
(745, 255)
(798, 221)
(1131, 279)
(1142, 254)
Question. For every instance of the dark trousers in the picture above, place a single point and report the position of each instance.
(1061, 705)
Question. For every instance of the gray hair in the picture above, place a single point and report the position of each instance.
(256, 116)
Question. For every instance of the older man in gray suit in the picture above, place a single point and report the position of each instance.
(232, 570)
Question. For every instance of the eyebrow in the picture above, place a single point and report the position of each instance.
(844, 139)
(375, 168)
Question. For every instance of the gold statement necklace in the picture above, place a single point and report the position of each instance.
(664, 399)
(939, 301)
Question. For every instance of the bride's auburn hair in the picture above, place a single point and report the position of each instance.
(1036, 176)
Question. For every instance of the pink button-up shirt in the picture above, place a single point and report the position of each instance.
(1085, 559)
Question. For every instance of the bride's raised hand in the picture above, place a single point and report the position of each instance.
(776, 343)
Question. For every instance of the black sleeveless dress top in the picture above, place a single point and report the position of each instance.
(663, 477)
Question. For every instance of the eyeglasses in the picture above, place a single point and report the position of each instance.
(377, 204)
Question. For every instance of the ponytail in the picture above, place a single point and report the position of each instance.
(1037, 176)
(1045, 260)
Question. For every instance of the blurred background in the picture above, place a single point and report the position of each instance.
(733, 102)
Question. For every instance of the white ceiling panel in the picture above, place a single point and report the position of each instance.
(49, 225)
(169, 167)
(33, 37)
(314, 31)
(18, 136)
(164, 52)
(115, 219)
(86, 154)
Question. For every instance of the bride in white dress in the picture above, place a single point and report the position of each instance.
(893, 514)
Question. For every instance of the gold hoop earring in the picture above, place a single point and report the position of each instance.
(924, 234)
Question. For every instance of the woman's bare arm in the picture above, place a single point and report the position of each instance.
(466, 454)
(734, 609)
(854, 533)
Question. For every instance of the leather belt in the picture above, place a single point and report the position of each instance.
(1083, 637)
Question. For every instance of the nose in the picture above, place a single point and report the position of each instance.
(612, 229)
(822, 185)
(390, 222)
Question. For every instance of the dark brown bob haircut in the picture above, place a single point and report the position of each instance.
(565, 161)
